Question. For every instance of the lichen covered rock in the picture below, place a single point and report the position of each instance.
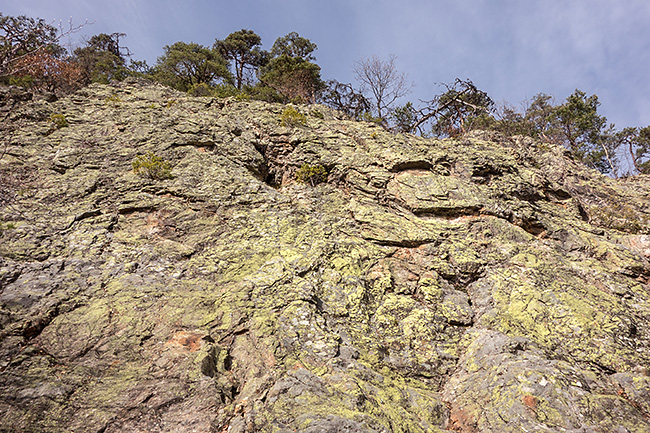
(483, 284)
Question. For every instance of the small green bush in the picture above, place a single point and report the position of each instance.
(312, 174)
(621, 217)
(317, 114)
(59, 120)
(113, 100)
(264, 93)
(298, 100)
(152, 167)
(242, 96)
(6, 226)
(200, 89)
(224, 91)
(291, 117)
(25, 81)
(368, 117)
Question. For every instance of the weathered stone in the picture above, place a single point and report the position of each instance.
(483, 284)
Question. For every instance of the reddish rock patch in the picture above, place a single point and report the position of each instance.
(190, 341)
(462, 421)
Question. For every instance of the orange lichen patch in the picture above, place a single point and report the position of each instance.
(297, 366)
(184, 340)
(411, 256)
(530, 402)
(406, 253)
(154, 220)
(462, 421)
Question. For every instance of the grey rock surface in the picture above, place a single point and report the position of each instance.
(479, 284)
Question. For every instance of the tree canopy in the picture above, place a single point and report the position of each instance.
(184, 65)
(294, 46)
(30, 54)
(103, 59)
(243, 49)
(291, 71)
(459, 107)
(639, 143)
(21, 36)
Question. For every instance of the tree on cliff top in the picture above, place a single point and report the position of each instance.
(243, 49)
(30, 54)
(291, 72)
(345, 98)
(103, 59)
(460, 108)
(581, 127)
(295, 46)
(21, 36)
(462, 105)
(382, 83)
(184, 65)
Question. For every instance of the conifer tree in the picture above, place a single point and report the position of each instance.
(243, 49)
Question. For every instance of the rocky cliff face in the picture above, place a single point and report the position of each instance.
(483, 284)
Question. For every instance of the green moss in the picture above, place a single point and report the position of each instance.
(389, 403)
(430, 288)
(526, 259)
(560, 310)
(548, 414)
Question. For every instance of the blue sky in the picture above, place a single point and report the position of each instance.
(512, 49)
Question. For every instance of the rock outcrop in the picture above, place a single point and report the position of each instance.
(482, 284)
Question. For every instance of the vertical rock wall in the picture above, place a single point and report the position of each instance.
(485, 284)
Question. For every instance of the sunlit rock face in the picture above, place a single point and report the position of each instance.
(480, 284)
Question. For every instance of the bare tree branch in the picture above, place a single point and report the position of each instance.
(343, 97)
(383, 82)
(452, 109)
